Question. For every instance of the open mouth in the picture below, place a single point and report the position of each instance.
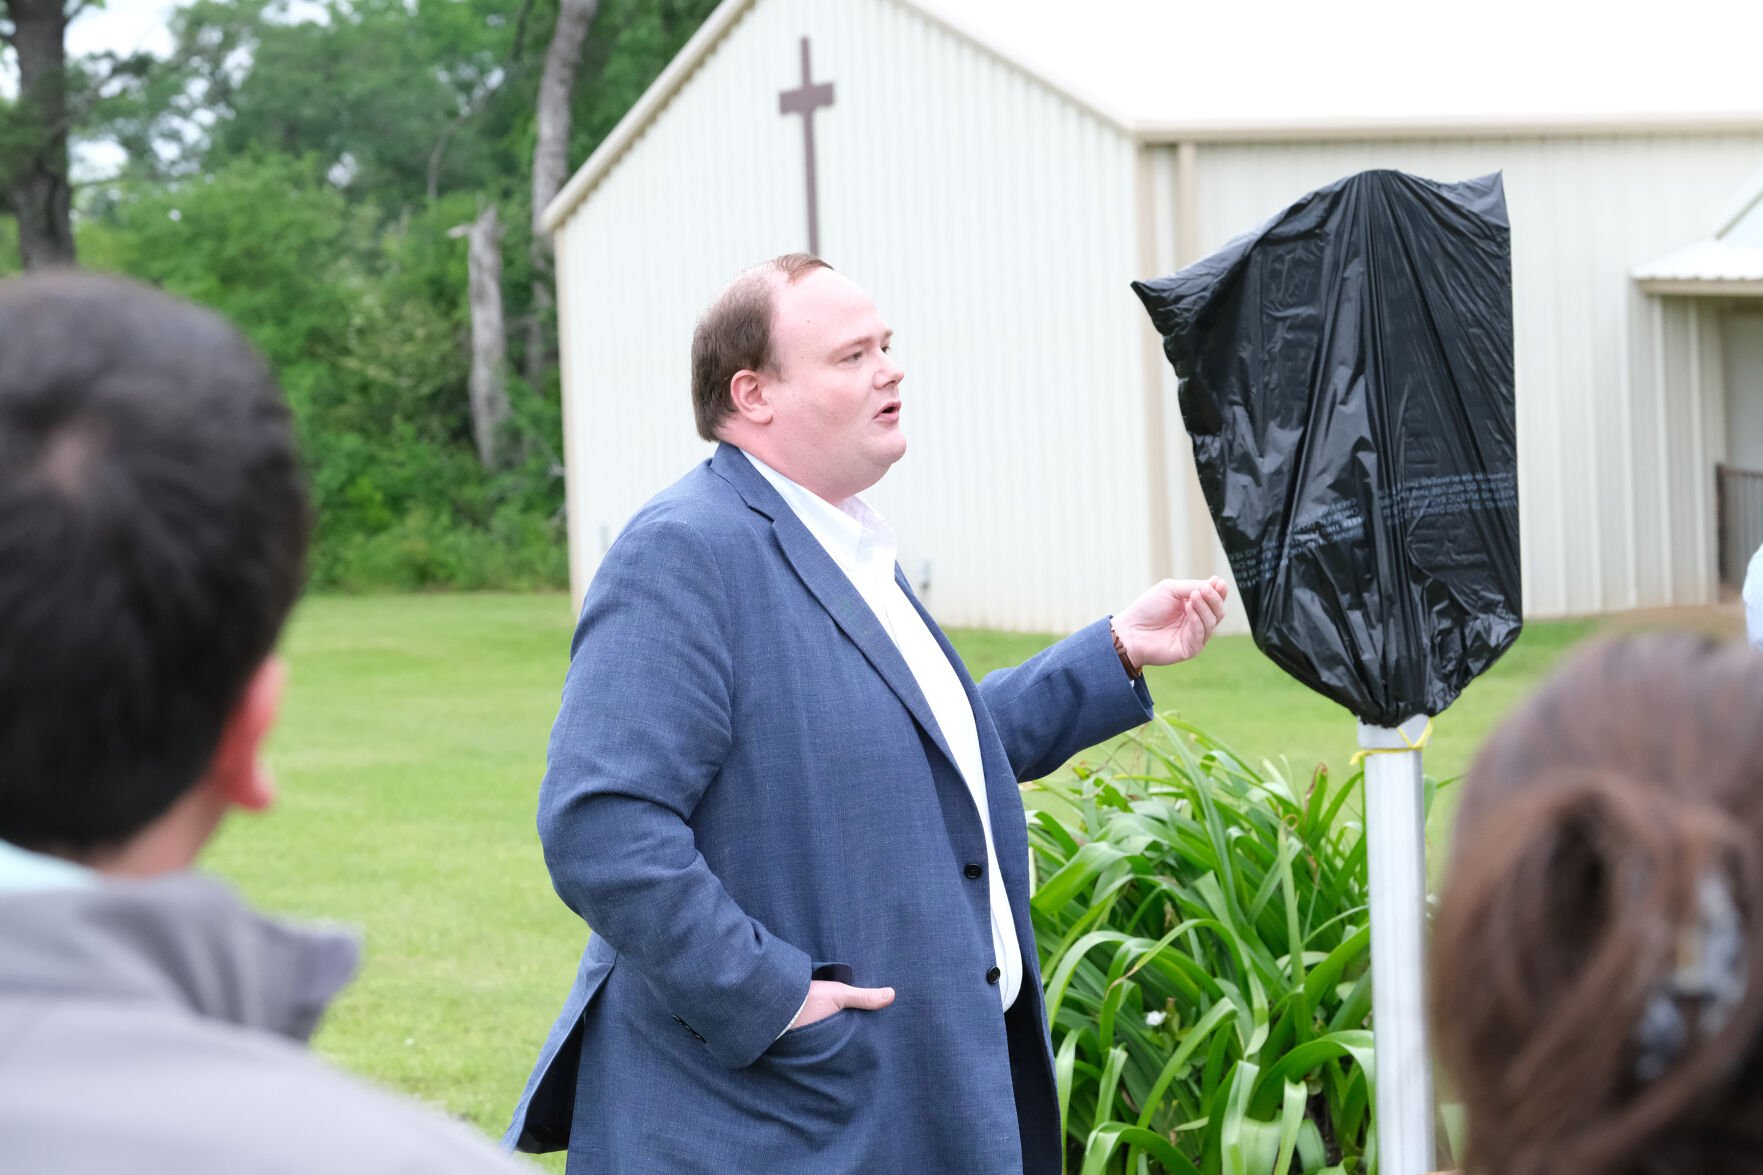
(890, 412)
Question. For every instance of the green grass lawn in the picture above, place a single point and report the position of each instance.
(409, 757)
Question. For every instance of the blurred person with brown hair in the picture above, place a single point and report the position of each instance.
(153, 528)
(1596, 988)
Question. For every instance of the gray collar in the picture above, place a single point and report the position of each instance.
(182, 940)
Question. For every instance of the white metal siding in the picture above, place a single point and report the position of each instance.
(1616, 431)
(993, 223)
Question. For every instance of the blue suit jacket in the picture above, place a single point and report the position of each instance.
(746, 788)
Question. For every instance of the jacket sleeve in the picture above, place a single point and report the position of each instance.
(1067, 697)
(643, 729)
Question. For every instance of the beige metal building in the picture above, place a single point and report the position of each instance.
(995, 172)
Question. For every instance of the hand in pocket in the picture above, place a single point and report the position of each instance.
(826, 997)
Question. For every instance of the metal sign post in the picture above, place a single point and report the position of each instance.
(1395, 837)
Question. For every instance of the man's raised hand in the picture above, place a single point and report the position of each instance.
(1172, 621)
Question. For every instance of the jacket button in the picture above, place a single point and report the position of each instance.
(992, 975)
(974, 871)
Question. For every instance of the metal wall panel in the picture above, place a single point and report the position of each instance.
(1615, 431)
(993, 223)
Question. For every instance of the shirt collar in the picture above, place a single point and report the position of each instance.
(859, 540)
(179, 938)
(23, 871)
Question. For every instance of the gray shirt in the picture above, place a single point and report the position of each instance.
(159, 1027)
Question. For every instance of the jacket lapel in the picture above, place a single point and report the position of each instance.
(1003, 800)
(831, 588)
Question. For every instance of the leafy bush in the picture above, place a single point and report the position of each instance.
(1205, 944)
(364, 325)
(514, 552)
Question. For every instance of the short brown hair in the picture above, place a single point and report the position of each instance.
(734, 335)
(1593, 826)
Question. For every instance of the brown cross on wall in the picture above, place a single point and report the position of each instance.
(805, 101)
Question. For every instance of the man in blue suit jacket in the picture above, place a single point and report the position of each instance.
(789, 815)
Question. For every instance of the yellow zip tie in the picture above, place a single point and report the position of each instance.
(1418, 744)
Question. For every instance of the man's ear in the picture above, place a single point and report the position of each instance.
(237, 771)
(751, 396)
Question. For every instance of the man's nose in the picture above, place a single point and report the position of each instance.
(890, 372)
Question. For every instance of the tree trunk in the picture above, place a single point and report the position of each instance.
(489, 347)
(539, 324)
(551, 167)
(36, 181)
(562, 60)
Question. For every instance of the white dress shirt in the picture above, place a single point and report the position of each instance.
(862, 544)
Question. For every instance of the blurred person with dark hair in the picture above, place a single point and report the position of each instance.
(153, 529)
(1597, 976)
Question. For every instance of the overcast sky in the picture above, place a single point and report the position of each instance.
(121, 26)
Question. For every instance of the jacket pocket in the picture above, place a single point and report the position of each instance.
(820, 1075)
(817, 1039)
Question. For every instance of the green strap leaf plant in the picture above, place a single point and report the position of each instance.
(1205, 944)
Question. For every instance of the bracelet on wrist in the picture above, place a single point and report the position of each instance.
(1132, 671)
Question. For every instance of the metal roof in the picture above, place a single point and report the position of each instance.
(1199, 69)
(1729, 262)
(1166, 71)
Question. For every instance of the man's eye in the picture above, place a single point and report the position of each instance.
(853, 355)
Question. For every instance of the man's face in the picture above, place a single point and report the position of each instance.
(835, 391)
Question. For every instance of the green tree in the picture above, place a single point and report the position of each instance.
(33, 137)
(370, 372)
(306, 178)
(262, 241)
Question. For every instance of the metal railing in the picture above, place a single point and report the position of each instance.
(1738, 510)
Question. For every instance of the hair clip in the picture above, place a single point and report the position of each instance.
(1712, 971)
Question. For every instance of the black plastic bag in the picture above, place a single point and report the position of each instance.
(1347, 381)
